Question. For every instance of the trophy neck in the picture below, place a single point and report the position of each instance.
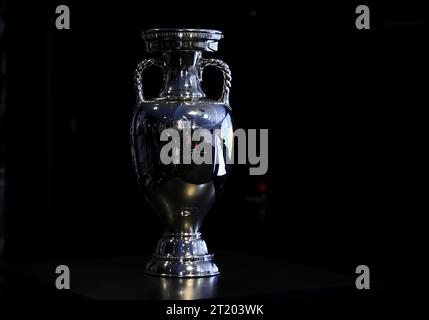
(182, 74)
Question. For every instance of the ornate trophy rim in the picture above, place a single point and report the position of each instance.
(162, 39)
(182, 33)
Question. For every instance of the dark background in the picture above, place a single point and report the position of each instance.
(342, 107)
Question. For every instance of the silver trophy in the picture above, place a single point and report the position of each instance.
(182, 193)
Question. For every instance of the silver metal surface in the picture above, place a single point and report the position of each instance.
(181, 194)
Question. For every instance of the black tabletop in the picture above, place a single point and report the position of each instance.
(242, 276)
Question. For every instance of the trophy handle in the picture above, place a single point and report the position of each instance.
(226, 72)
(138, 76)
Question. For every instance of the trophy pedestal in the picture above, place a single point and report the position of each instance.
(182, 255)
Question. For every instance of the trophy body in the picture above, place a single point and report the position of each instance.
(181, 192)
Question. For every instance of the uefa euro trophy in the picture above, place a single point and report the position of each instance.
(183, 191)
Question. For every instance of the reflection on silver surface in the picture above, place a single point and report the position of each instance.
(187, 288)
(182, 194)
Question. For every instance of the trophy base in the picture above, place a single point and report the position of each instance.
(181, 255)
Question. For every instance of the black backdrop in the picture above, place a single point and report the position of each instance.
(341, 105)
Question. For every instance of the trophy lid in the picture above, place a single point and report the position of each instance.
(181, 39)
